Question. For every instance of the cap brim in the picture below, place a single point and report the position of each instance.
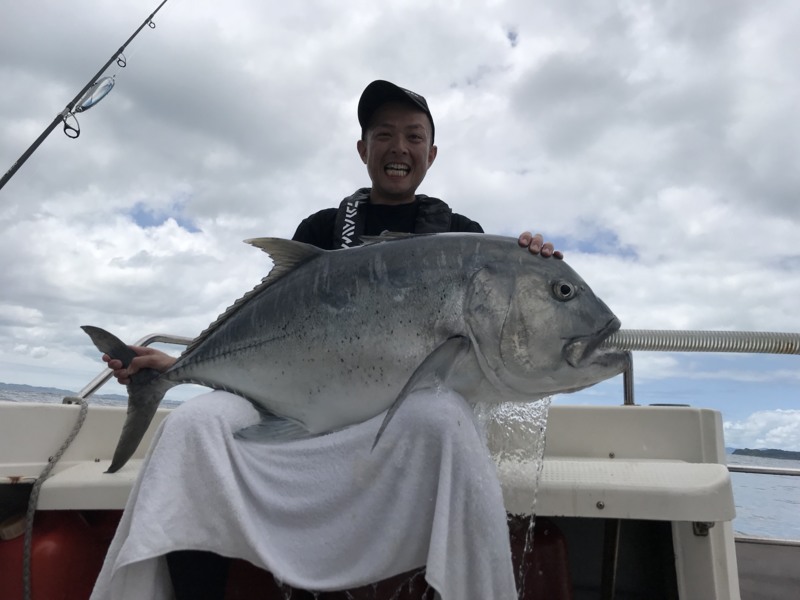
(379, 92)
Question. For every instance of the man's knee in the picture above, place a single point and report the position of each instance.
(433, 412)
(214, 409)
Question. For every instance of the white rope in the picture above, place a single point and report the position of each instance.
(37, 486)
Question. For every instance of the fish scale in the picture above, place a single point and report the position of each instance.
(332, 338)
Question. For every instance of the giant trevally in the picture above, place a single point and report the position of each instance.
(332, 338)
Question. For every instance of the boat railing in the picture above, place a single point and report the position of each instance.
(746, 342)
(630, 340)
(763, 470)
(651, 340)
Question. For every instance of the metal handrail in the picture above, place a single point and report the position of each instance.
(104, 375)
(652, 340)
(648, 340)
(763, 470)
(747, 342)
(756, 342)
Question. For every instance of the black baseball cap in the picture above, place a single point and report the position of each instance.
(379, 92)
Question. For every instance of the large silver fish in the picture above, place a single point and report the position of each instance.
(333, 338)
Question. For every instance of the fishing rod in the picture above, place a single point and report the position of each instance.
(91, 94)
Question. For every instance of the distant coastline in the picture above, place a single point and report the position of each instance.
(768, 453)
(19, 387)
(18, 392)
(35, 389)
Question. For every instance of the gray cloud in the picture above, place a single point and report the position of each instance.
(655, 141)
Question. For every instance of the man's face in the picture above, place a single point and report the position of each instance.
(397, 150)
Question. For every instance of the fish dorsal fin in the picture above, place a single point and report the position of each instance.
(286, 256)
(390, 236)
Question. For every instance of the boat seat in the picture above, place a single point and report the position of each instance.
(86, 486)
(669, 466)
(659, 490)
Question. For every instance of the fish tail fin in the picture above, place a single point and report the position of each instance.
(110, 344)
(145, 392)
(143, 401)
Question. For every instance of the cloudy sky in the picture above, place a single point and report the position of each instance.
(655, 143)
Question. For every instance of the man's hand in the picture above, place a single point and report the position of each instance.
(147, 358)
(536, 245)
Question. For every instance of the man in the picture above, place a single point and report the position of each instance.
(397, 147)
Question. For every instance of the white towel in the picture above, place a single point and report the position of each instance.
(320, 514)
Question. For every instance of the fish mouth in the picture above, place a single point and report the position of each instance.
(584, 349)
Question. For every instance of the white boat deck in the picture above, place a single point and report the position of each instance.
(626, 462)
(656, 472)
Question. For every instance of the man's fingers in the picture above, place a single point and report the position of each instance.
(536, 244)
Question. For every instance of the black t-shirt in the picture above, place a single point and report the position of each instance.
(318, 229)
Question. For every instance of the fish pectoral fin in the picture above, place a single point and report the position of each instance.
(273, 428)
(432, 372)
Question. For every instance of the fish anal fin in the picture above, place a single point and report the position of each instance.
(273, 428)
(432, 372)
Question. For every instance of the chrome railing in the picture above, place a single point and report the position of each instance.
(747, 342)
(651, 340)
(763, 470)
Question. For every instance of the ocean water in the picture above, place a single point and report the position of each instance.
(53, 398)
(766, 505)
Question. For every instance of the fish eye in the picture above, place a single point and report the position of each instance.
(563, 290)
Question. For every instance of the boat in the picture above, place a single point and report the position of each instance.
(630, 501)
